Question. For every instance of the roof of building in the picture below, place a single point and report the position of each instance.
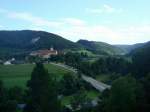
(44, 52)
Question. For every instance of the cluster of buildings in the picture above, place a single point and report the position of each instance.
(46, 53)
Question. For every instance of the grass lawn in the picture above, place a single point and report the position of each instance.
(17, 75)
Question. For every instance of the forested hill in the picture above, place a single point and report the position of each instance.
(101, 47)
(141, 59)
(27, 39)
(143, 48)
(128, 48)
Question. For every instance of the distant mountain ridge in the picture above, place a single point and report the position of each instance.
(144, 48)
(26, 41)
(101, 47)
(129, 48)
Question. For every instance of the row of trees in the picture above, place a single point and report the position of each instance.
(10, 98)
(127, 94)
(70, 58)
(107, 65)
(103, 65)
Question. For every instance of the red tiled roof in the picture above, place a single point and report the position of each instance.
(45, 52)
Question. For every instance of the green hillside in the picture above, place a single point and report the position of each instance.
(17, 75)
(18, 42)
(141, 59)
(129, 48)
(100, 47)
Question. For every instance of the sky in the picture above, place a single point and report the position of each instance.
(111, 21)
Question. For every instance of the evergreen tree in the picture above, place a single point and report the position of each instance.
(122, 95)
(2, 96)
(43, 91)
(6, 104)
(69, 84)
(144, 99)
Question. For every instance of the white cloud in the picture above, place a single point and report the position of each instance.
(107, 34)
(75, 29)
(97, 33)
(104, 9)
(33, 19)
(138, 34)
(108, 8)
(142, 29)
(38, 21)
(94, 11)
(74, 21)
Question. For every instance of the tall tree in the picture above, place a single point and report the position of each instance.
(69, 84)
(6, 104)
(43, 91)
(2, 96)
(144, 99)
(122, 95)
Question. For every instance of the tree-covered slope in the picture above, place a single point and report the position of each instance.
(141, 59)
(129, 48)
(100, 47)
(33, 39)
(27, 40)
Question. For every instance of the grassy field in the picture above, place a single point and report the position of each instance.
(17, 75)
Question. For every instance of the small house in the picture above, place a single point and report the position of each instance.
(7, 63)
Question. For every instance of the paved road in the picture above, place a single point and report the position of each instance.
(96, 84)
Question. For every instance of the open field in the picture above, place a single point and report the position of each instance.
(17, 75)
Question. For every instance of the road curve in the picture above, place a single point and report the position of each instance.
(96, 84)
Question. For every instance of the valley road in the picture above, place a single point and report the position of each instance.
(96, 84)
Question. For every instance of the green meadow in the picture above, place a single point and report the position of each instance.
(18, 75)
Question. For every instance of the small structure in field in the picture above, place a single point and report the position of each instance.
(7, 63)
(47, 53)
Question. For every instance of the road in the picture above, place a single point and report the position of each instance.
(96, 84)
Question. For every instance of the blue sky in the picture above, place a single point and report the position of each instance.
(112, 21)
